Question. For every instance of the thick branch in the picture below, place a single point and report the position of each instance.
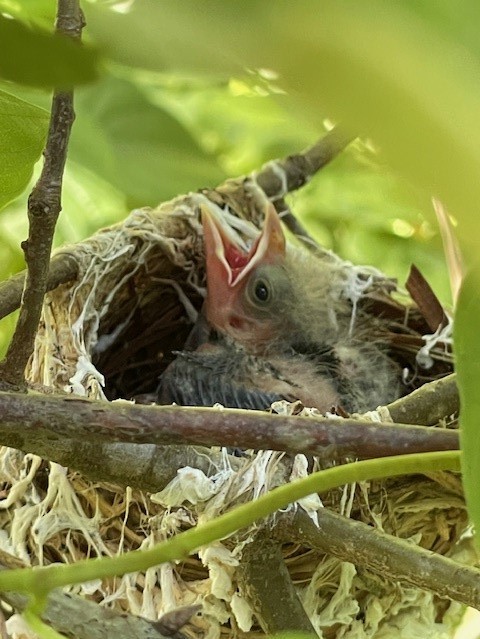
(84, 619)
(390, 557)
(28, 421)
(142, 466)
(44, 206)
(428, 404)
(266, 583)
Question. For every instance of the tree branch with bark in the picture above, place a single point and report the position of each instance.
(26, 420)
(44, 205)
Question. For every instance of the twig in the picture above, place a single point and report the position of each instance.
(266, 583)
(279, 177)
(44, 206)
(296, 227)
(63, 268)
(388, 556)
(428, 404)
(28, 420)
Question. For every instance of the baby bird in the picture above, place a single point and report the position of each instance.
(277, 324)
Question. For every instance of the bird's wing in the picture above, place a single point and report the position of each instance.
(211, 376)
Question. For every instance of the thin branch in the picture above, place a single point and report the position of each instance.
(300, 232)
(279, 177)
(388, 556)
(40, 580)
(428, 404)
(29, 420)
(63, 268)
(296, 227)
(44, 206)
(267, 585)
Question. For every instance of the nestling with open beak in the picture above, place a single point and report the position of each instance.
(277, 324)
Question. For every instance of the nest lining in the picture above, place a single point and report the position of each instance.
(110, 334)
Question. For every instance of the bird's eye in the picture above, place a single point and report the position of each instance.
(261, 291)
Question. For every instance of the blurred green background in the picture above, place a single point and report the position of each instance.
(189, 94)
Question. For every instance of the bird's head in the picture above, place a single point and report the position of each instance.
(248, 292)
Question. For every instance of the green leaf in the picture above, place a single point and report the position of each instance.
(23, 128)
(467, 349)
(36, 58)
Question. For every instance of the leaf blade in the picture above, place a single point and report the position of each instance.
(467, 349)
(23, 128)
(34, 57)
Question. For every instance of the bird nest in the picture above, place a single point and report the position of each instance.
(108, 334)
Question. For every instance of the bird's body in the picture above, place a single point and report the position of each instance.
(224, 373)
(279, 326)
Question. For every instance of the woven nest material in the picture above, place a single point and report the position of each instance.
(109, 334)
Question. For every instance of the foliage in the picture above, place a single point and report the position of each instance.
(42, 59)
(22, 134)
(467, 347)
(177, 112)
(189, 96)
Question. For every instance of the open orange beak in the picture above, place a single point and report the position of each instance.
(225, 259)
(228, 265)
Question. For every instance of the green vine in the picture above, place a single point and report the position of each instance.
(39, 581)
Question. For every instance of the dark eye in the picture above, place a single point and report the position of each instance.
(261, 291)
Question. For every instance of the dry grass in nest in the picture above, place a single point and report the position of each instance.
(110, 334)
